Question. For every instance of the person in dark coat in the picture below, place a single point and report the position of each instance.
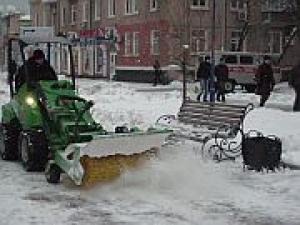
(265, 80)
(12, 68)
(294, 82)
(157, 73)
(38, 69)
(205, 78)
(221, 72)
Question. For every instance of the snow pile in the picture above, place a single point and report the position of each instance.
(119, 103)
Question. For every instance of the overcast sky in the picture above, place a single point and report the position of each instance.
(21, 5)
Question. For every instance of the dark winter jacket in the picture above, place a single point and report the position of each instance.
(294, 78)
(157, 70)
(265, 79)
(221, 72)
(36, 73)
(204, 70)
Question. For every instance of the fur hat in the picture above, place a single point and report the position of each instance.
(38, 54)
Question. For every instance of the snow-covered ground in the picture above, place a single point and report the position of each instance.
(179, 187)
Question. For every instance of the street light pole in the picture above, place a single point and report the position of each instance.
(213, 61)
(185, 49)
(213, 33)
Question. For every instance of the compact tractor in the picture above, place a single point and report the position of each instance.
(50, 128)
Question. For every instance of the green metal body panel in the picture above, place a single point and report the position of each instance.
(41, 108)
(29, 115)
(63, 115)
(17, 109)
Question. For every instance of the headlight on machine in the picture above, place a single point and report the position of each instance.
(30, 101)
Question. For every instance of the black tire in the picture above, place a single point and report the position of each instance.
(8, 142)
(52, 173)
(250, 88)
(26, 152)
(33, 151)
(229, 86)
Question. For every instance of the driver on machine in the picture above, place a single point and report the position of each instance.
(38, 69)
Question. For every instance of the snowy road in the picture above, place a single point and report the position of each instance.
(179, 187)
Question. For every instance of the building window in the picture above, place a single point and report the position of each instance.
(235, 39)
(155, 35)
(237, 5)
(127, 41)
(73, 14)
(198, 40)
(97, 10)
(135, 43)
(63, 17)
(274, 42)
(132, 44)
(111, 8)
(131, 7)
(275, 5)
(289, 38)
(153, 5)
(110, 33)
(85, 12)
(199, 4)
(230, 59)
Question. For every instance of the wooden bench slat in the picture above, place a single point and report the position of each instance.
(207, 123)
(215, 114)
(213, 104)
(212, 109)
(210, 117)
(202, 138)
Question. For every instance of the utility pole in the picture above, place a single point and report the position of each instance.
(185, 51)
(225, 26)
(91, 14)
(213, 61)
(185, 46)
(213, 33)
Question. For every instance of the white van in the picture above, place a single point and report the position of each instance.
(243, 66)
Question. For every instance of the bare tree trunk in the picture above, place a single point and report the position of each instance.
(297, 12)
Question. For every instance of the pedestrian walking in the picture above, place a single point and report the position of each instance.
(157, 73)
(204, 75)
(265, 80)
(221, 72)
(294, 82)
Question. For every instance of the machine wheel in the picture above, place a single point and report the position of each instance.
(229, 86)
(52, 173)
(250, 88)
(8, 142)
(26, 152)
(33, 151)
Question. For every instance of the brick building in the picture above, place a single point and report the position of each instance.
(10, 24)
(145, 30)
(274, 24)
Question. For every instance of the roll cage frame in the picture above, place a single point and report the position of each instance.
(24, 42)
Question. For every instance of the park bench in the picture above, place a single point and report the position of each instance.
(205, 121)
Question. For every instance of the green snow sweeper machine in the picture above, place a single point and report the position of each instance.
(49, 127)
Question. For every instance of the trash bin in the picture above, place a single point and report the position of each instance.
(260, 152)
